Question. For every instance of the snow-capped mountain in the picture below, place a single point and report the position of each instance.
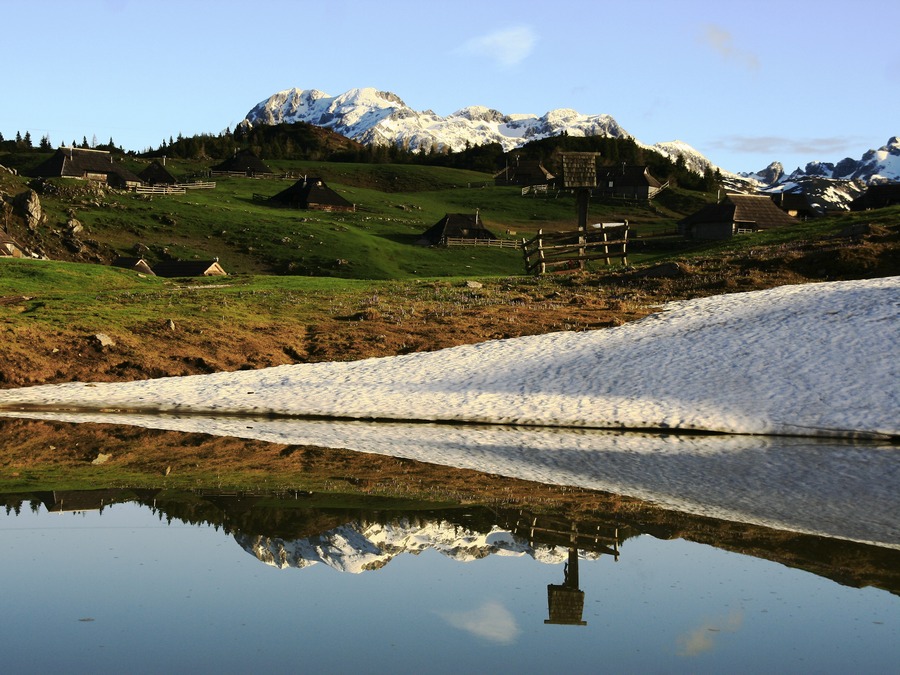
(378, 117)
(693, 159)
(357, 547)
(831, 185)
(875, 166)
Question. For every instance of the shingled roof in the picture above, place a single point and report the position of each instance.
(877, 197)
(455, 226)
(243, 161)
(189, 268)
(523, 172)
(627, 175)
(312, 193)
(738, 212)
(136, 264)
(86, 164)
(157, 174)
(9, 248)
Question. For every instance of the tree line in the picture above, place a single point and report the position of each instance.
(302, 141)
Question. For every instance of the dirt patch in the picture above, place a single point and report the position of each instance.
(406, 317)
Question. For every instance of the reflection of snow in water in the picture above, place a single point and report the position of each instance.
(827, 487)
(807, 360)
(358, 547)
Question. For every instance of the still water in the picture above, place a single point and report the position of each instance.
(110, 581)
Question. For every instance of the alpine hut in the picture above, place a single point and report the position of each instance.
(9, 248)
(136, 264)
(627, 181)
(456, 228)
(735, 214)
(877, 197)
(93, 165)
(189, 268)
(312, 193)
(157, 174)
(243, 163)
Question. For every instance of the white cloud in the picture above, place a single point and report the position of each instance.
(492, 621)
(721, 41)
(822, 147)
(702, 640)
(508, 47)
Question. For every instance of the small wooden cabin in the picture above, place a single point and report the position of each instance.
(132, 263)
(9, 248)
(92, 165)
(243, 162)
(157, 174)
(456, 226)
(735, 214)
(627, 181)
(189, 268)
(312, 193)
(877, 197)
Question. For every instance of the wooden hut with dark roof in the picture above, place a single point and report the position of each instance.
(735, 214)
(795, 204)
(189, 268)
(524, 172)
(627, 181)
(312, 193)
(157, 174)
(9, 248)
(93, 165)
(456, 226)
(877, 197)
(136, 264)
(244, 163)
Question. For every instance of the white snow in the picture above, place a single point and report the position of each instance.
(816, 359)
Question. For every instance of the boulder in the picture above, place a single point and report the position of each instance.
(28, 206)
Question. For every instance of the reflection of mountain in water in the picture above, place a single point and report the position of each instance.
(360, 546)
(297, 528)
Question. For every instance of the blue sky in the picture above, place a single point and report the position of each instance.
(745, 83)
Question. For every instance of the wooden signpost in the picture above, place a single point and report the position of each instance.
(560, 251)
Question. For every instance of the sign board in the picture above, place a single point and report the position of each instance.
(579, 169)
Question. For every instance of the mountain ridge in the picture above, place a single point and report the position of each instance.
(372, 116)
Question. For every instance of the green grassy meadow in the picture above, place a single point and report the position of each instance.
(395, 205)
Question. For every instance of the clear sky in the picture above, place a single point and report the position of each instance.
(745, 83)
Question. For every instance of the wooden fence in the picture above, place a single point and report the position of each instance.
(560, 251)
(177, 189)
(499, 243)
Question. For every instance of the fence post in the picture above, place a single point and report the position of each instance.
(541, 256)
(584, 195)
(605, 239)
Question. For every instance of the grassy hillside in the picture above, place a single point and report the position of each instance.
(395, 204)
(52, 311)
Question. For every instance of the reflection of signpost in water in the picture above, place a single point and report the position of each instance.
(566, 600)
